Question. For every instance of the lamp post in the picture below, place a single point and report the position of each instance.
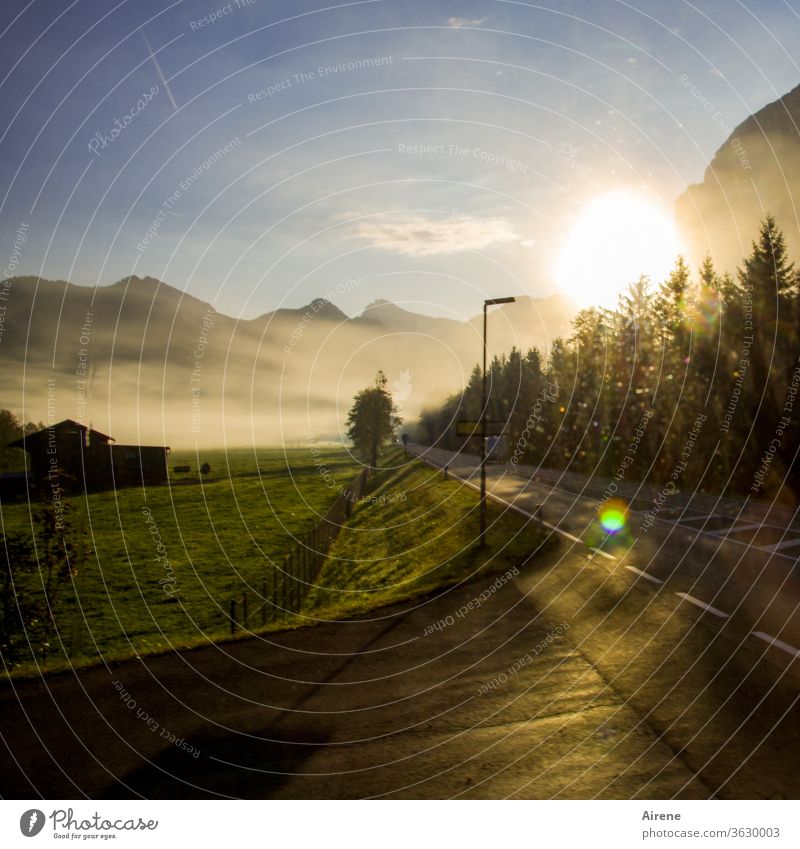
(489, 303)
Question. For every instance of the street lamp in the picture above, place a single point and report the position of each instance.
(489, 303)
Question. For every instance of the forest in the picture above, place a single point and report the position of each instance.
(691, 382)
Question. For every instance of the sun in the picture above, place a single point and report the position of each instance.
(617, 238)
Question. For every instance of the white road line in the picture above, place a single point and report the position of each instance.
(685, 523)
(749, 527)
(525, 513)
(563, 533)
(644, 575)
(707, 607)
(767, 638)
(789, 543)
(704, 518)
(601, 553)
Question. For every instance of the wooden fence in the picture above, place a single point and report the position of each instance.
(292, 578)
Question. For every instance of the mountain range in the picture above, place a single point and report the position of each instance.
(145, 362)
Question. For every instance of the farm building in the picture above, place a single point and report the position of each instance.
(85, 459)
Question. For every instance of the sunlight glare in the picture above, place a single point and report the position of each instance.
(617, 238)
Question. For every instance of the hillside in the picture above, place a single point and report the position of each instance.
(146, 362)
(757, 170)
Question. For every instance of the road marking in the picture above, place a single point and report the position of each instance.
(707, 607)
(670, 517)
(525, 513)
(555, 528)
(601, 553)
(563, 533)
(749, 527)
(789, 543)
(767, 638)
(644, 575)
(703, 517)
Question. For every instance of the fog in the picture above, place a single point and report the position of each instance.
(756, 171)
(144, 363)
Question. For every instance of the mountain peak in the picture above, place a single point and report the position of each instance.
(756, 170)
(139, 282)
(323, 307)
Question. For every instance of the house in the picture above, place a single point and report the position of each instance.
(85, 459)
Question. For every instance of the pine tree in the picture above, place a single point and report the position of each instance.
(724, 348)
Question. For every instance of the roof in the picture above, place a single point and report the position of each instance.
(144, 447)
(66, 425)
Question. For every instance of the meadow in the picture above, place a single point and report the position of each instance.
(413, 534)
(159, 565)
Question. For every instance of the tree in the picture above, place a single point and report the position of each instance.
(36, 572)
(767, 280)
(10, 429)
(372, 419)
(21, 611)
(714, 350)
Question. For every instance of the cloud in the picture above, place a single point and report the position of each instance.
(464, 22)
(420, 236)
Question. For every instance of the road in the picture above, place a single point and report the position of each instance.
(576, 678)
(727, 562)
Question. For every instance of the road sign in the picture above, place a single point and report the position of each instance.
(472, 428)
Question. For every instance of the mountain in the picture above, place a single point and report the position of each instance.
(395, 319)
(145, 362)
(319, 307)
(756, 171)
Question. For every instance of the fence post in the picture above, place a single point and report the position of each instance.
(304, 562)
(295, 570)
(286, 563)
(233, 615)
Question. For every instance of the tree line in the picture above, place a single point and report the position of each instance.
(11, 429)
(693, 381)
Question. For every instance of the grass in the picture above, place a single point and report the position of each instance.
(219, 534)
(416, 533)
(411, 534)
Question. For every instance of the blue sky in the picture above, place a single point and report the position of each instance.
(440, 156)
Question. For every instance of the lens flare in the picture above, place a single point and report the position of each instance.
(612, 516)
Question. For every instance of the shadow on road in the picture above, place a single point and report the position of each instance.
(228, 765)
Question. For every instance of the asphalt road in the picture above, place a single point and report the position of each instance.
(578, 678)
(725, 562)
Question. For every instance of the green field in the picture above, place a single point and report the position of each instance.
(226, 535)
(220, 536)
(415, 533)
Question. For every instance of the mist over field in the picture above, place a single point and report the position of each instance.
(143, 362)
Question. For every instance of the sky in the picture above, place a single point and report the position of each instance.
(432, 153)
